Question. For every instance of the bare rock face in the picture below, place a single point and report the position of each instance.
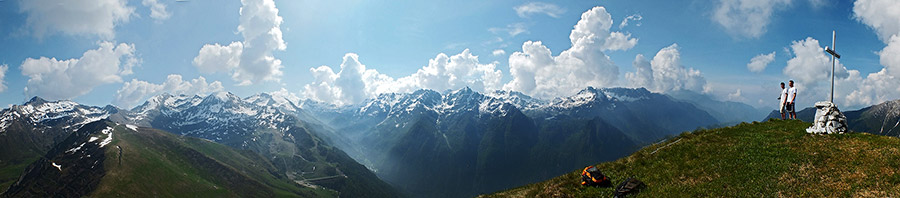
(828, 120)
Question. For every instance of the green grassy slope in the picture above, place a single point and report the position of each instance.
(773, 158)
(157, 163)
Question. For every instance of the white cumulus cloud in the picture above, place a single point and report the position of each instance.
(355, 82)
(883, 16)
(157, 9)
(642, 75)
(537, 72)
(346, 86)
(875, 88)
(65, 79)
(218, 58)
(593, 29)
(98, 17)
(746, 18)
(619, 41)
(880, 15)
(889, 56)
(528, 9)
(760, 62)
(260, 26)
(665, 73)
(136, 91)
(453, 72)
(811, 64)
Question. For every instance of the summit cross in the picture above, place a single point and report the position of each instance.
(833, 55)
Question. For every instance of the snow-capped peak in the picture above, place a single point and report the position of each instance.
(627, 94)
(284, 97)
(518, 99)
(464, 90)
(168, 102)
(153, 103)
(461, 100)
(261, 99)
(39, 111)
(425, 100)
(274, 99)
(223, 96)
(586, 96)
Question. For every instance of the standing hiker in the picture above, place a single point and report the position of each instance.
(791, 100)
(782, 99)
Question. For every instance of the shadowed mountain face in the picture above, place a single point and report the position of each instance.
(880, 119)
(476, 142)
(29, 130)
(81, 153)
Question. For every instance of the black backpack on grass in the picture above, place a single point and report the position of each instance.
(630, 185)
(591, 176)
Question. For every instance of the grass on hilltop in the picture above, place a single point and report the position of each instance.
(773, 158)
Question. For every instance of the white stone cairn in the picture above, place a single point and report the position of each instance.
(828, 120)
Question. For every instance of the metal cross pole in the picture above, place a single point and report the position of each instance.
(833, 55)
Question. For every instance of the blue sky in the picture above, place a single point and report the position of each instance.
(394, 46)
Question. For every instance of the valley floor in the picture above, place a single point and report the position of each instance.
(768, 159)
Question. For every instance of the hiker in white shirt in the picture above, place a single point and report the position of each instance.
(782, 99)
(791, 100)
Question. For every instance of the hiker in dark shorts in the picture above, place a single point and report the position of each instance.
(791, 100)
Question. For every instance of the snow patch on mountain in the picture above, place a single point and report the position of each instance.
(57, 166)
(76, 148)
(495, 106)
(519, 99)
(109, 136)
(87, 120)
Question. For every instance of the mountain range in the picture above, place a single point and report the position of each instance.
(454, 143)
(476, 142)
(32, 133)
